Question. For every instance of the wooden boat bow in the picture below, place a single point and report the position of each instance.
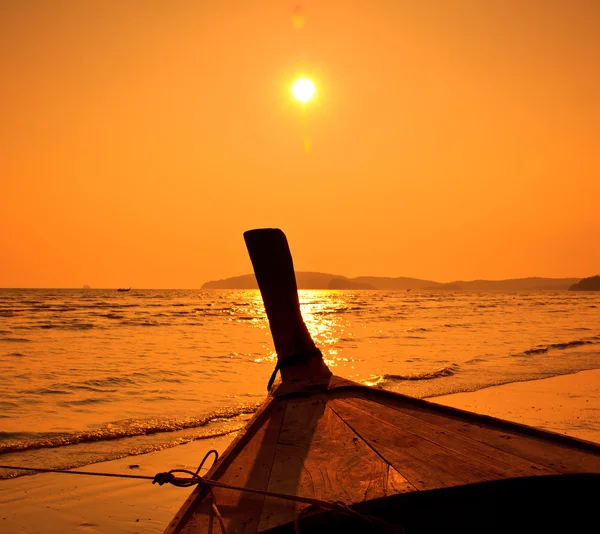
(421, 466)
(299, 360)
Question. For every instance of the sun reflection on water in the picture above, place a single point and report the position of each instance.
(323, 312)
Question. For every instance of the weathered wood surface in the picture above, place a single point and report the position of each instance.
(251, 469)
(248, 449)
(560, 453)
(298, 358)
(319, 456)
(346, 445)
(427, 456)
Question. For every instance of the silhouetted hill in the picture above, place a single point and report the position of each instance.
(305, 280)
(518, 284)
(400, 283)
(346, 283)
(587, 284)
(311, 280)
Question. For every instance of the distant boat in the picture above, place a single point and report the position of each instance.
(124, 289)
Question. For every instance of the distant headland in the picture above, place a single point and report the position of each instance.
(313, 280)
(587, 284)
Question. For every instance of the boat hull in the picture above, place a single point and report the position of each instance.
(405, 460)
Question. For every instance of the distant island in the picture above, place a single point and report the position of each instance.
(313, 280)
(587, 284)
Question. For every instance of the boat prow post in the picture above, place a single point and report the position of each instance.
(298, 358)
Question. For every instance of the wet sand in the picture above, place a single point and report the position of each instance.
(568, 404)
(57, 503)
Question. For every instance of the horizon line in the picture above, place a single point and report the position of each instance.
(311, 272)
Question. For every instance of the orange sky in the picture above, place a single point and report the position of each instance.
(450, 139)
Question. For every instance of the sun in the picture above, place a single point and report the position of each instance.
(303, 90)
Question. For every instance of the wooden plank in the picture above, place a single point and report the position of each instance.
(396, 483)
(319, 456)
(251, 468)
(216, 471)
(509, 464)
(426, 465)
(297, 430)
(560, 457)
(337, 382)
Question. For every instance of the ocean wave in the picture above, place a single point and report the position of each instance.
(142, 323)
(112, 315)
(65, 326)
(82, 402)
(109, 384)
(386, 379)
(15, 339)
(13, 442)
(110, 381)
(330, 311)
(541, 349)
(95, 307)
(73, 460)
(41, 307)
(53, 390)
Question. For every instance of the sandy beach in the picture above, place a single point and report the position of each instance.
(568, 404)
(57, 503)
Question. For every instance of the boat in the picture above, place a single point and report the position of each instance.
(325, 454)
(124, 289)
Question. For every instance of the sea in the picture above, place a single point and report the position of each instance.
(88, 375)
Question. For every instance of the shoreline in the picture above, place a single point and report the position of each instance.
(56, 503)
(566, 404)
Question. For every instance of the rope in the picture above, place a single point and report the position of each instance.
(42, 470)
(184, 482)
(194, 478)
(216, 512)
(290, 361)
(273, 375)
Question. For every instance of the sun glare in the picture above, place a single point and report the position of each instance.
(303, 90)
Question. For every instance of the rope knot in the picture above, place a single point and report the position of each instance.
(163, 478)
